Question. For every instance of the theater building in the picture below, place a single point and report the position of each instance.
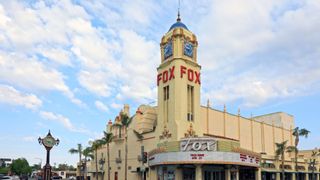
(184, 140)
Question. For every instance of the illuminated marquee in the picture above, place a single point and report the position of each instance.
(198, 144)
(190, 74)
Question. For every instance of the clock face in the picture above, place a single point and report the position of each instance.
(49, 141)
(188, 49)
(167, 50)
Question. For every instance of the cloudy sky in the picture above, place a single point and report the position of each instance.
(69, 66)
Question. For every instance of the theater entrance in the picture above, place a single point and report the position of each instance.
(213, 173)
(268, 175)
(247, 173)
(188, 173)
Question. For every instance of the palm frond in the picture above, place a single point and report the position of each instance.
(281, 147)
(295, 131)
(87, 152)
(304, 132)
(292, 149)
(73, 151)
(107, 137)
(125, 120)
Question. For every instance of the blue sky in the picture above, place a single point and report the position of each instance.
(69, 66)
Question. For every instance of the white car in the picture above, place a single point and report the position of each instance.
(6, 178)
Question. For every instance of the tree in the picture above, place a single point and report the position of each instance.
(125, 122)
(63, 167)
(77, 151)
(95, 145)
(20, 167)
(282, 148)
(314, 154)
(87, 152)
(107, 139)
(36, 167)
(4, 170)
(297, 132)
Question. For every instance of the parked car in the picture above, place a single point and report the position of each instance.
(15, 177)
(72, 178)
(6, 178)
(56, 177)
(24, 177)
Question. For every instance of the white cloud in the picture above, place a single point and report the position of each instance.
(62, 120)
(139, 64)
(101, 106)
(95, 82)
(116, 105)
(114, 51)
(31, 74)
(32, 30)
(259, 52)
(57, 55)
(57, 117)
(30, 138)
(10, 95)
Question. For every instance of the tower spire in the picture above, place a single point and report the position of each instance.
(179, 19)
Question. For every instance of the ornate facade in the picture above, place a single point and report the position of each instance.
(184, 140)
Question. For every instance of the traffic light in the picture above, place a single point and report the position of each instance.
(145, 157)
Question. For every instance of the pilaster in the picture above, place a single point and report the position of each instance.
(258, 174)
(198, 172)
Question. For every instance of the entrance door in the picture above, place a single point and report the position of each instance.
(188, 174)
(214, 175)
(268, 176)
(246, 174)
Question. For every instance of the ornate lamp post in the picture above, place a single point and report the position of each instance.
(48, 142)
(101, 163)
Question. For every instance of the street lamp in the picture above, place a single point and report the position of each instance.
(48, 142)
(101, 163)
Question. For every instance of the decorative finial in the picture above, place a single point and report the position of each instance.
(238, 111)
(208, 103)
(179, 19)
(224, 108)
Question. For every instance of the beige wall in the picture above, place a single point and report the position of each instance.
(256, 136)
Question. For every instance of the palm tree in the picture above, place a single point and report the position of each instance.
(297, 132)
(95, 145)
(314, 154)
(87, 152)
(125, 122)
(107, 139)
(282, 148)
(77, 151)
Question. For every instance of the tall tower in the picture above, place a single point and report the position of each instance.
(178, 83)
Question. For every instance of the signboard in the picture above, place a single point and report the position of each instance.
(190, 74)
(203, 157)
(198, 144)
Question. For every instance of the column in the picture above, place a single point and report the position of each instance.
(258, 174)
(198, 172)
(278, 176)
(178, 173)
(293, 176)
(228, 174)
(238, 174)
(307, 176)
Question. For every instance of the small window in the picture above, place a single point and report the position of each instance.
(166, 93)
(190, 103)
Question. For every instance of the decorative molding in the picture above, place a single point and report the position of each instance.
(190, 132)
(165, 133)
